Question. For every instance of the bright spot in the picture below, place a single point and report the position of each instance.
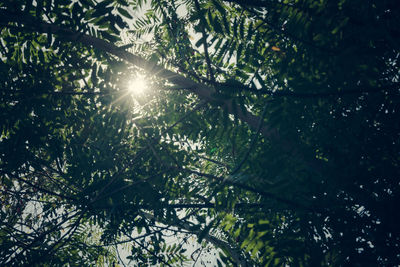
(137, 85)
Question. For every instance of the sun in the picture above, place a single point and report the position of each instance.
(137, 85)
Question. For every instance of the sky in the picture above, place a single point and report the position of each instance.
(206, 256)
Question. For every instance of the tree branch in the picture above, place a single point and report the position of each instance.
(201, 90)
(268, 195)
(212, 239)
(205, 45)
(253, 142)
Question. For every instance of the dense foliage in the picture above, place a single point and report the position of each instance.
(269, 132)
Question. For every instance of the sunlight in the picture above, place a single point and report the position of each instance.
(138, 85)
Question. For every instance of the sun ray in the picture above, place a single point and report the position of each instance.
(138, 85)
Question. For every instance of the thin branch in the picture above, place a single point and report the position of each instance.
(288, 93)
(205, 45)
(59, 172)
(60, 93)
(43, 234)
(61, 240)
(150, 144)
(148, 250)
(40, 188)
(245, 5)
(122, 241)
(241, 205)
(211, 160)
(181, 119)
(17, 194)
(287, 202)
(125, 186)
(203, 157)
(198, 256)
(253, 142)
(119, 256)
(215, 241)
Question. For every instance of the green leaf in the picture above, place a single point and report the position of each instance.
(101, 9)
(200, 42)
(109, 37)
(241, 29)
(41, 56)
(93, 76)
(124, 13)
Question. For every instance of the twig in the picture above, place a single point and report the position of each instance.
(205, 45)
(40, 188)
(287, 202)
(198, 256)
(148, 250)
(253, 142)
(119, 256)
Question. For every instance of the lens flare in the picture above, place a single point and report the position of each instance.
(137, 85)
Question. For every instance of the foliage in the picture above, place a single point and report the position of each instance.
(270, 132)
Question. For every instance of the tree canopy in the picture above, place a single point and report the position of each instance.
(268, 132)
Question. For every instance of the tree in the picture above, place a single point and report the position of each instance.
(272, 135)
